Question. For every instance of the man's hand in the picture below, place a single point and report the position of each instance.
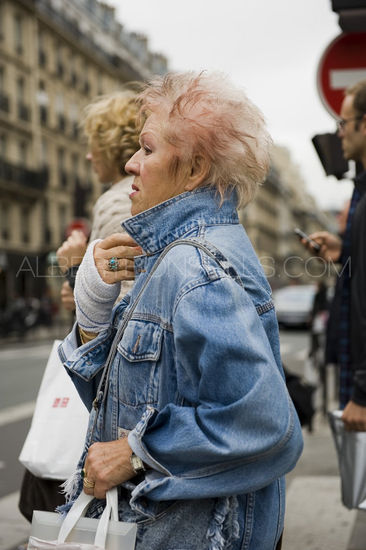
(354, 417)
(124, 249)
(107, 465)
(330, 245)
(67, 297)
(71, 251)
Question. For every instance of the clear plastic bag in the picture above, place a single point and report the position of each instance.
(351, 452)
(49, 531)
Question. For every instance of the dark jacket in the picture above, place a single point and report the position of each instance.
(358, 295)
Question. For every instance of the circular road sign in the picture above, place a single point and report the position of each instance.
(342, 64)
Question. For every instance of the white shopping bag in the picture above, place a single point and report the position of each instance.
(351, 452)
(50, 532)
(56, 437)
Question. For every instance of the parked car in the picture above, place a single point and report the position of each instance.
(294, 305)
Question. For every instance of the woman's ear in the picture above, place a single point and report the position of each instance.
(199, 172)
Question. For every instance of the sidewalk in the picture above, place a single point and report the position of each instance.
(315, 517)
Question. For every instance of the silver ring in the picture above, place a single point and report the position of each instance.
(113, 264)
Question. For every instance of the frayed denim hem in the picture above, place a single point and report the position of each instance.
(71, 488)
(224, 526)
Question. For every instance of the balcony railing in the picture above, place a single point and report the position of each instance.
(12, 173)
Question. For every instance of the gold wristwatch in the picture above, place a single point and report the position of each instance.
(137, 464)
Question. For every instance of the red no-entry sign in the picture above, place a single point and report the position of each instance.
(342, 64)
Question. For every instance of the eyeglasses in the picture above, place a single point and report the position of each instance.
(343, 121)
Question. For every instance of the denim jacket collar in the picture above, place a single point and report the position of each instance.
(157, 227)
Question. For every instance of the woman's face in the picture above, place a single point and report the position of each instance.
(153, 182)
(107, 172)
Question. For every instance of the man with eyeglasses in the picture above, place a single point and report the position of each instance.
(349, 305)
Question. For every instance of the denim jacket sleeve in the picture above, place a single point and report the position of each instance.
(236, 429)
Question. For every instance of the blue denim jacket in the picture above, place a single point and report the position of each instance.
(197, 385)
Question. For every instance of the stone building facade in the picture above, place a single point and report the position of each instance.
(55, 57)
(282, 204)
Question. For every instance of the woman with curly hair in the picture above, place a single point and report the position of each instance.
(110, 126)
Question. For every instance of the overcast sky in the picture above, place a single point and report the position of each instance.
(269, 47)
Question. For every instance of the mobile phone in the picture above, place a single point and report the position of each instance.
(303, 235)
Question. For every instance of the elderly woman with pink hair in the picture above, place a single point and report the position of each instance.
(190, 416)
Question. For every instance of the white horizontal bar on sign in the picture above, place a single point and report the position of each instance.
(17, 413)
(342, 78)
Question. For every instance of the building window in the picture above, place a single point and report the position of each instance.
(60, 112)
(4, 101)
(23, 110)
(72, 68)
(5, 221)
(18, 34)
(42, 100)
(62, 221)
(44, 154)
(47, 236)
(59, 62)
(75, 164)
(86, 83)
(2, 26)
(20, 89)
(25, 224)
(22, 153)
(61, 167)
(3, 146)
(42, 56)
(74, 117)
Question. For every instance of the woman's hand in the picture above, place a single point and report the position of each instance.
(71, 251)
(330, 245)
(354, 417)
(123, 249)
(107, 465)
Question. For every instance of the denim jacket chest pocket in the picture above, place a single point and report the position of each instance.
(138, 371)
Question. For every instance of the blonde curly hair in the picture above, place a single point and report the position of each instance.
(110, 123)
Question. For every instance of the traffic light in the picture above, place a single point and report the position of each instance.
(352, 14)
(329, 149)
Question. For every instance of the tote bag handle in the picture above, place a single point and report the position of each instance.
(78, 510)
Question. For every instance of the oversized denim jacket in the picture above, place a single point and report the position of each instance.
(197, 385)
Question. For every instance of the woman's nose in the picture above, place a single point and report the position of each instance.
(131, 166)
